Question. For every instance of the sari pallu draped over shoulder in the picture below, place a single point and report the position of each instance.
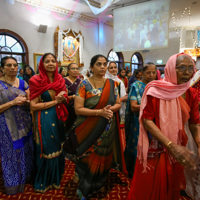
(90, 131)
(41, 83)
(17, 118)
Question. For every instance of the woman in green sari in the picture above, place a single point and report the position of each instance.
(48, 95)
(132, 115)
(99, 146)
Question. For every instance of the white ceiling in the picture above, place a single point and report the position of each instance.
(176, 6)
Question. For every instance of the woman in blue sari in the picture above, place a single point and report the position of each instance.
(132, 115)
(48, 95)
(16, 141)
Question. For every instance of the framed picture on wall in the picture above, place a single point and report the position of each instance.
(127, 66)
(37, 57)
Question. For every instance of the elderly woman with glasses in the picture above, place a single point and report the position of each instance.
(72, 82)
(16, 141)
(162, 156)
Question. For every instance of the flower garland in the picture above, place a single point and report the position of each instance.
(73, 53)
(60, 47)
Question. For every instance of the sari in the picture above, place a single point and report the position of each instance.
(132, 126)
(99, 144)
(49, 130)
(157, 173)
(164, 178)
(49, 137)
(70, 144)
(124, 79)
(71, 87)
(16, 140)
(122, 93)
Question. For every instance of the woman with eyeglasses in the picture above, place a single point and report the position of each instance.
(132, 115)
(16, 138)
(166, 106)
(71, 81)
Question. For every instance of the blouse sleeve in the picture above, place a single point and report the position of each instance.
(194, 113)
(80, 91)
(149, 112)
(133, 95)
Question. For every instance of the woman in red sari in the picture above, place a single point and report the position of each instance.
(166, 106)
(122, 76)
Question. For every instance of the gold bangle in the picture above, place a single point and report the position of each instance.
(0, 107)
(168, 144)
(73, 96)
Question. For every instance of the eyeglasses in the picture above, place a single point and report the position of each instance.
(73, 69)
(183, 68)
(150, 72)
(10, 65)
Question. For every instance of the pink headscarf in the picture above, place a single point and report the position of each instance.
(168, 92)
(158, 75)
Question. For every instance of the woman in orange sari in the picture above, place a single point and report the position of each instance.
(166, 106)
(97, 129)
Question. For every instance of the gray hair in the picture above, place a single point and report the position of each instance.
(182, 57)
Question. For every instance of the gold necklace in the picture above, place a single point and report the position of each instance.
(11, 83)
(94, 82)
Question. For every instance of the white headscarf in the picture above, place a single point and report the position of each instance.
(122, 92)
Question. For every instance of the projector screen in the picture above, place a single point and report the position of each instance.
(141, 26)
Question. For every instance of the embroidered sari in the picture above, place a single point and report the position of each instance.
(16, 141)
(132, 126)
(99, 144)
(49, 138)
(48, 129)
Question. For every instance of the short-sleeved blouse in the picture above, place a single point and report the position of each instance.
(140, 86)
(85, 90)
(151, 111)
(23, 85)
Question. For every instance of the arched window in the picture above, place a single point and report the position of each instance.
(13, 45)
(136, 61)
(117, 57)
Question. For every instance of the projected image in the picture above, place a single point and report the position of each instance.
(141, 26)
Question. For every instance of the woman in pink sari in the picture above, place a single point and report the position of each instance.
(166, 106)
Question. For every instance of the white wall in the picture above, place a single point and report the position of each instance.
(23, 22)
(98, 39)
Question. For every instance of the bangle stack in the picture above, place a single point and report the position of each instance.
(98, 112)
(73, 96)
